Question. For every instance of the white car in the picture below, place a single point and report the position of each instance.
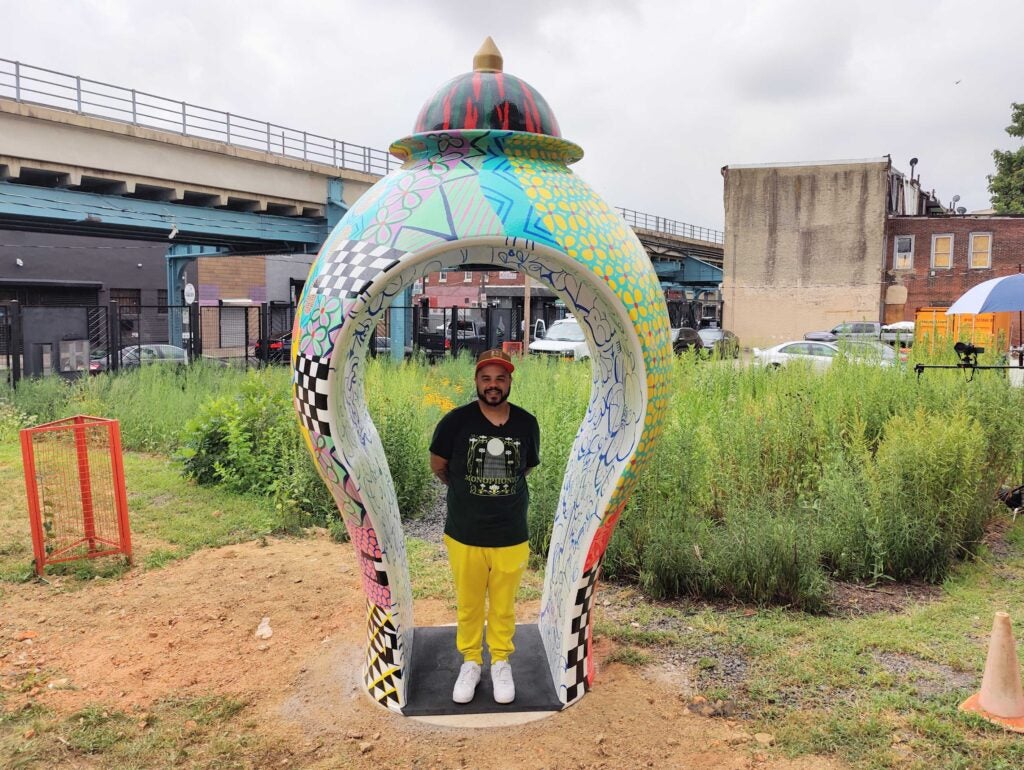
(821, 354)
(564, 339)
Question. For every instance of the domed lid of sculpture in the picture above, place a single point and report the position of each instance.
(487, 98)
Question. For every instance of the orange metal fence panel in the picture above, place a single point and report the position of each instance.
(74, 478)
(934, 330)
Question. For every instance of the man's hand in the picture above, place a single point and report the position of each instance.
(439, 467)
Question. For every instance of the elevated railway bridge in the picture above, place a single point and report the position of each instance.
(82, 157)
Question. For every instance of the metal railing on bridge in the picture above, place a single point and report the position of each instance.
(36, 85)
(670, 226)
(49, 88)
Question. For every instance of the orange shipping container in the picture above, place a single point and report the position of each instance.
(934, 330)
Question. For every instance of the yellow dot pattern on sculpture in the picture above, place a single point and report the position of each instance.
(596, 236)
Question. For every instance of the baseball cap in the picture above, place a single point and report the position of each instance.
(495, 356)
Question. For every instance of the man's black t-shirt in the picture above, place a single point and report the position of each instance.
(487, 463)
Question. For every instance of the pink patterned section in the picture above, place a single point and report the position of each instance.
(375, 578)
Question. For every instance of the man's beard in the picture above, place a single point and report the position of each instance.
(483, 396)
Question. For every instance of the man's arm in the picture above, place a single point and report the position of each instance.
(439, 467)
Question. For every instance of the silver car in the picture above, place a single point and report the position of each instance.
(820, 355)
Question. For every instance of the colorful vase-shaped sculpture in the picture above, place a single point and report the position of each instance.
(485, 180)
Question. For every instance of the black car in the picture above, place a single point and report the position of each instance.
(279, 348)
(685, 339)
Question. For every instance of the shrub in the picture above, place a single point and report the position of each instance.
(250, 443)
(929, 493)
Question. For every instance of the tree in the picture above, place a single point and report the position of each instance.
(1007, 184)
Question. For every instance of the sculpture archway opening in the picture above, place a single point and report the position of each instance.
(505, 198)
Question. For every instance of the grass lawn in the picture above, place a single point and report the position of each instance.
(875, 690)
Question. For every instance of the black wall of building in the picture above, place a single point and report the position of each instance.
(73, 269)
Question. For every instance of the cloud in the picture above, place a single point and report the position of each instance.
(660, 94)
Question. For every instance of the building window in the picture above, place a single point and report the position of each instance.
(942, 252)
(467, 277)
(903, 252)
(161, 301)
(981, 250)
(128, 300)
(442, 277)
(507, 275)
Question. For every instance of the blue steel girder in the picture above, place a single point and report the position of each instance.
(697, 271)
(146, 220)
(690, 272)
(178, 257)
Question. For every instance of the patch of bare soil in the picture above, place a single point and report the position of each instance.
(995, 533)
(188, 630)
(849, 599)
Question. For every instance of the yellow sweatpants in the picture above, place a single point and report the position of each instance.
(492, 574)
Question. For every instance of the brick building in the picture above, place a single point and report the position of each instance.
(491, 288)
(932, 260)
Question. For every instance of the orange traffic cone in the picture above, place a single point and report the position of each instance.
(1001, 698)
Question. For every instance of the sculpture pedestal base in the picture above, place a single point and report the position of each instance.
(435, 667)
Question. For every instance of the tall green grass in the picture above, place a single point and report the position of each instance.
(765, 484)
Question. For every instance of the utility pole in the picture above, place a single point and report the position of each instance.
(526, 312)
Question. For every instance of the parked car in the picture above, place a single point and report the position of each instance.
(859, 330)
(279, 348)
(470, 337)
(721, 342)
(685, 339)
(900, 333)
(564, 339)
(137, 355)
(820, 355)
(381, 346)
(820, 337)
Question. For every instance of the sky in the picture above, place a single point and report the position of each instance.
(660, 94)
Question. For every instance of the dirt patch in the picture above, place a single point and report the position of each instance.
(188, 631)
(995, 533)
(850, 599)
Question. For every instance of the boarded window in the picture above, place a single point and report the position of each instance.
(981, 250)
(942, 252)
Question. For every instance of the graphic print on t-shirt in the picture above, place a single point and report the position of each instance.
(492, 465)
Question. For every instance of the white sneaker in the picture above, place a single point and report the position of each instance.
(465, 685)
(501, 679)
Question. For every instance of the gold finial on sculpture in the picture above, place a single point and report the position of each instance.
(488, 58)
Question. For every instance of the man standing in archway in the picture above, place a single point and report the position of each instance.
(482, 452)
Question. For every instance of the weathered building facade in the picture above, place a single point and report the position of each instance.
(805, 244)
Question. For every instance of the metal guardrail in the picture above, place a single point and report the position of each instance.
(670, 226)
(36, 85)
(49, 88)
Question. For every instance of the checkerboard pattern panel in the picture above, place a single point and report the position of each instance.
(576, 680)
(351, 267)
(383, 669)
(311, 393)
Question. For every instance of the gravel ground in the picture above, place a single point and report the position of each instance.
(430, 526)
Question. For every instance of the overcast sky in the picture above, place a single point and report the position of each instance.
(659, 94)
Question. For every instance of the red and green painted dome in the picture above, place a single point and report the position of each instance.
(487, 98)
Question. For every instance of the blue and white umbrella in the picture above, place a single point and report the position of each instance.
(998, 295)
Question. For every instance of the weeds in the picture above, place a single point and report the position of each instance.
(764, 484)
